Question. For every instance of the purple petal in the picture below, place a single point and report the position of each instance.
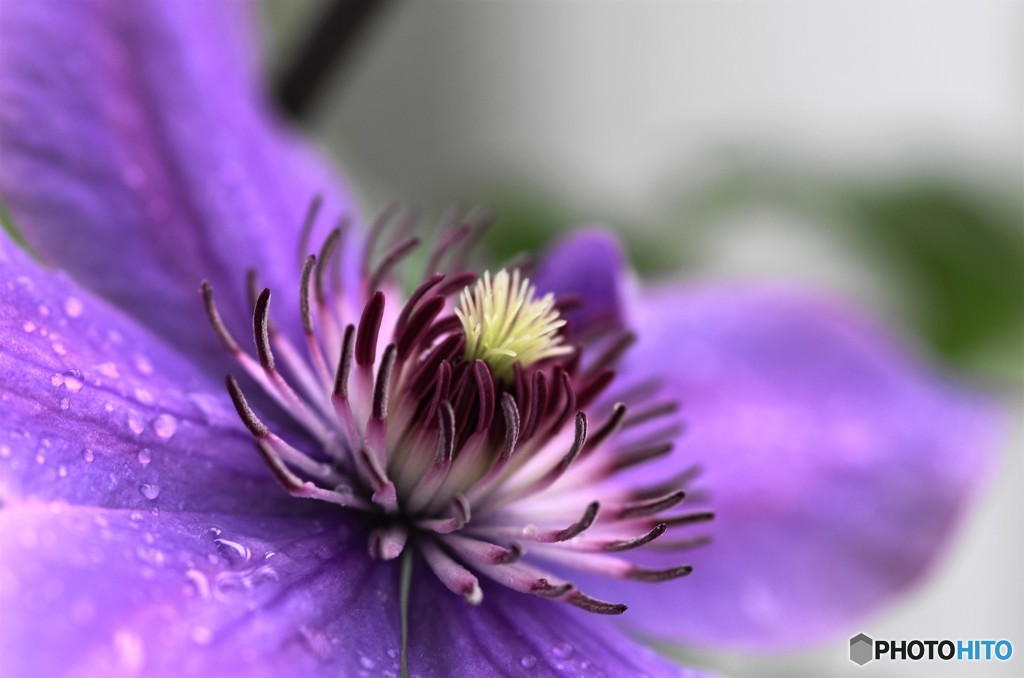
(588, 264)
(137, 153)
(96, 410)
(114, 593)
(838, 465)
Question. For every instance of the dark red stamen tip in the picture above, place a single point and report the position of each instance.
(369, 328)
(380, 391)
(643, 574)
(260, 330)
(213, 315)
(636, 542)
(585, 602)
(307, 271)
(345, 363)
(245, 413)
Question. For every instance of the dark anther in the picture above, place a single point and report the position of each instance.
(381, 388)
(577, 528)
(445, 433)
(259, 325)
(643, 574)
(542, 587)
(307, 316)
(611, 355)
(307, 225)
(688, 519)
(418, 325)
(398, 252)
(326, 251)
(652, 412)
(640, 455)
(585, 602)
(369, 327)
(606, 429)
(511, 412)
(577, 443)
(627, 544)
(414, 298)
(345, 362)
(245, 413)
(376, 229)
(485, 392)
(513, 553)
(216, 321)
(593, 387)
(649, 507)
(457, 283)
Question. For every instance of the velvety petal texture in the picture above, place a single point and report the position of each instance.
(126, 593)
(95, 409)
(135, 136)
(838, 465)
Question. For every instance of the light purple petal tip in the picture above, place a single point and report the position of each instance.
(588, 264)
(138, 153)
(837, 464)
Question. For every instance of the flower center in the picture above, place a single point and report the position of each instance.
(506, 324)
(463, 431)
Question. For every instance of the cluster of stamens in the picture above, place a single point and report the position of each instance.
(464, 433)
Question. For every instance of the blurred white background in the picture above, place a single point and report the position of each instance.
(632, 112)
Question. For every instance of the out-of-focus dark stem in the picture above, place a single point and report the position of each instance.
(330, 39)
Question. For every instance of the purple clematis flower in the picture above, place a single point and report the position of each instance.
(446, 471)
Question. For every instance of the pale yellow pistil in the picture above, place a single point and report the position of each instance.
(506, 324)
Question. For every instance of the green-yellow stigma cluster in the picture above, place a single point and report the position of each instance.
(505, 323)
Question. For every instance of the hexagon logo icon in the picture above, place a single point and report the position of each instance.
(861, 649)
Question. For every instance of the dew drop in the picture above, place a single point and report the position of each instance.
(366, 662)
(528, 661)
(73, 307)
(562, 650)
(73, 381)
(234, 552)
(88, 455)
(143, 365)
(5, 451)
(136, 422)
(57, 380)
(65, 403)
(199, 583)
(214, 531)
(165, 425)
(109, 407)
(130, 651)
(150, 491)
(145, 456)
(62, 471)
(28, 326)
(44, 310)
(58, 348)
(108, 369)
(40, 458)
(143, 396)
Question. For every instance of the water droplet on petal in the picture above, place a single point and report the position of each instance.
(62, 471)
(150, 491)
(28, 326)
(108, 369)
(58, 348)
(165, 425)
(528, 661)
(44, 310)
(366, 662)
(136, 422)
(65, 403)
(143, 396)
(73, 381)
(5, 451)
(73, 307)
(145, 456)
(234, 552)
(143, 365)
(57, 380)
(562, 650)
(88, 454)
(40, 458)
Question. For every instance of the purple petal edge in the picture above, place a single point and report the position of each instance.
(139, 154)
(838, 465)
